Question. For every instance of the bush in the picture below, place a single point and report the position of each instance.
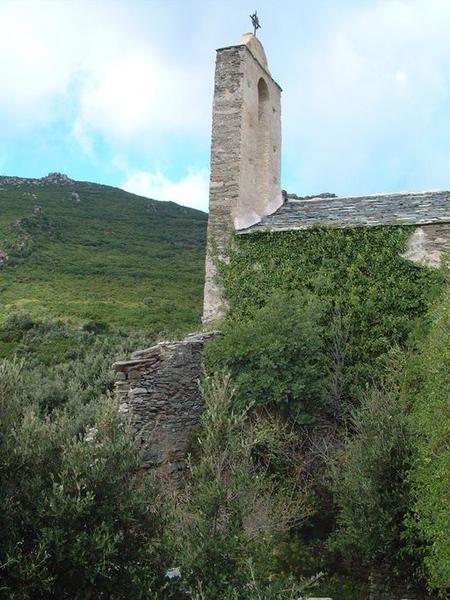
(277, 357)
(358, 271)
(96, 327)
(369, 483)
(427, 393)
(66, 365)
(18, 322)
(14, 327)
(227, 521)
(77, 520)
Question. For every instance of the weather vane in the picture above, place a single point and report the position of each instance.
(255, 22)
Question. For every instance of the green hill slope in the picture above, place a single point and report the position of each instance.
(83, 252)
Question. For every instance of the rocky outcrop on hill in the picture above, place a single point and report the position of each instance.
(50, 179)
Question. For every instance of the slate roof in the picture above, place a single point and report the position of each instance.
(403, 208)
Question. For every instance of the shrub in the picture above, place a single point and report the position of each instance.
(227, 520)
(358, 271)
(427, 393)
(369, 483)
(66, 365)
(18, 322)
(277, 357)
(77, 520)
(96, 327)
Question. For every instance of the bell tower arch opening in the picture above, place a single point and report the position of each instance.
(263, 100)
(262, 143)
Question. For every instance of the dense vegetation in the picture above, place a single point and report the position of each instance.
(371, 295)
(370, 487)
(339, 371)
(76, 516)
(79, 520)
(235, 507)
(262, 355)
(323, 458)
(426, 396)
(83, 252)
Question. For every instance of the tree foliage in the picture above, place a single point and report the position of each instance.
(427, 393)
(235, 505)
(76, 520)
(276, 357)
(358, 274)
(369, 483)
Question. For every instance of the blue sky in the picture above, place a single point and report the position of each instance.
(120, 92)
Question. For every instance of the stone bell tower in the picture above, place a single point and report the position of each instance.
(245, 154)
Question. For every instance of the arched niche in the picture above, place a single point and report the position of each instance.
(262, 150)
(263, 100)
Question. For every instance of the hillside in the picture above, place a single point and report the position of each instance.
(82, 252)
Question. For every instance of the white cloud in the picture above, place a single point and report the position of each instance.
(370, 99)
(107, 73)
(191, 190)
(34, 71)
(366, 84)
(137, 95)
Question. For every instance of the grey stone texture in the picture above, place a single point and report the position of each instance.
(245, 154)
(158, 390)
(430, 245)
(404, 208)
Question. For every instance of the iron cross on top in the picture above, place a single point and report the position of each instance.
(255, 22)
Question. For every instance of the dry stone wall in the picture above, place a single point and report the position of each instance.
(159, 392)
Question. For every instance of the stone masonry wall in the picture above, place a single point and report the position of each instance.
(159, 391)
(225, 157)
(260, 162)
(245, 154)
(430, 245)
